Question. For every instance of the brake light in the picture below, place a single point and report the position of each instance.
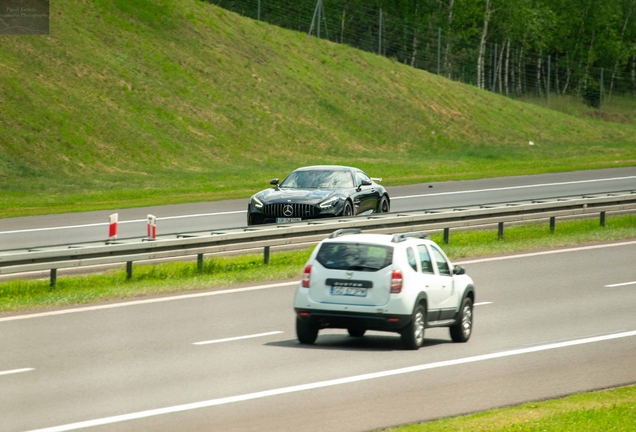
(306, 277)
(396, 282)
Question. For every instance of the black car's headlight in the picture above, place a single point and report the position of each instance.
(331, 202)
(257, 203)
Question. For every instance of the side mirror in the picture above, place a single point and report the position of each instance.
(274, 182)
(458, 270)
(366, 182)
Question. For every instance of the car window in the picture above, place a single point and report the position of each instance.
(354, 256)
(361, 176)
(325, 179)
(425, 259)
(442, 265)
(410, 255)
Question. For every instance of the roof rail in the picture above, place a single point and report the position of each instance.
(345, 231)
(402, 237)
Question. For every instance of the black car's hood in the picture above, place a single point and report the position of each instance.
(300, 196)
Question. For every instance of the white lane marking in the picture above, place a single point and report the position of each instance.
(512, 187)
(260, 287)
(330, 383)
(620, 284)
(237, 338)
(120, 222)
(147, 301)
(550, 252)
(482, 303)
(15, 371)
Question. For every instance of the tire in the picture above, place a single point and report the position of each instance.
(348, 209)
(384, 206)
(461, 331)
(413, 334)
(356, 332)
(306, 333)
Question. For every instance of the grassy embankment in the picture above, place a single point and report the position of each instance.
(140, 103)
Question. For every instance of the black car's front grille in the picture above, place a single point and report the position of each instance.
(290, 210)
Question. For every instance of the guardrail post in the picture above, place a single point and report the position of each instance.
(200, 262)
(53, 278)
(552, 223)
(500, 230)
(446, 235)
(129, 269)
(266, 255)
(603, 219)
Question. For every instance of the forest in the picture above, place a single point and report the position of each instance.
(520, 48)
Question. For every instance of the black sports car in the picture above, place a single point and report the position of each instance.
(317, 192)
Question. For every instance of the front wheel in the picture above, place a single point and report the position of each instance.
(348, 209)
(461, 331)
(306, 333)
(413, 334)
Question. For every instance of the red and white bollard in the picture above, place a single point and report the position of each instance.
(152, 227)
(112, 227)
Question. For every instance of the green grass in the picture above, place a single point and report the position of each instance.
(220, 272)
(131, 103)
(606, 410)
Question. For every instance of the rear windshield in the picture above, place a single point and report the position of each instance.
(354, 256)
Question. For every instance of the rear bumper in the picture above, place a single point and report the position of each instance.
(327, 319)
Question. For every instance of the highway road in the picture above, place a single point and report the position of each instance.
(30, 232)
(546, 324)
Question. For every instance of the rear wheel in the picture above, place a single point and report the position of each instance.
(384, 206)
(356, 332)
(461, 331)
(306, 333)
(413, 333)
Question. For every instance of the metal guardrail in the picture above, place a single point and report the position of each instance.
(266, 236)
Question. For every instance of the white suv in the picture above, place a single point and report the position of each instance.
(399, 283)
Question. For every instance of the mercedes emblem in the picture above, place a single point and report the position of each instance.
(288, 210)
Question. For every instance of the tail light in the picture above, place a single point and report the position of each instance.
(306, 277)
(396, 282)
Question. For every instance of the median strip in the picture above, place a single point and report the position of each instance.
(148, 301)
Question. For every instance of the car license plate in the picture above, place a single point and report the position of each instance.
(288, 220)
(348, 291)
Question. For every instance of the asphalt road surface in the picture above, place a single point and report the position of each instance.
(74, 228)
(546, 324)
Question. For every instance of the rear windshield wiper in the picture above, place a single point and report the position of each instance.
(363, 267)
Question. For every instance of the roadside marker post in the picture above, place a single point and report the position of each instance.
(152, 227)
(112, 227)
